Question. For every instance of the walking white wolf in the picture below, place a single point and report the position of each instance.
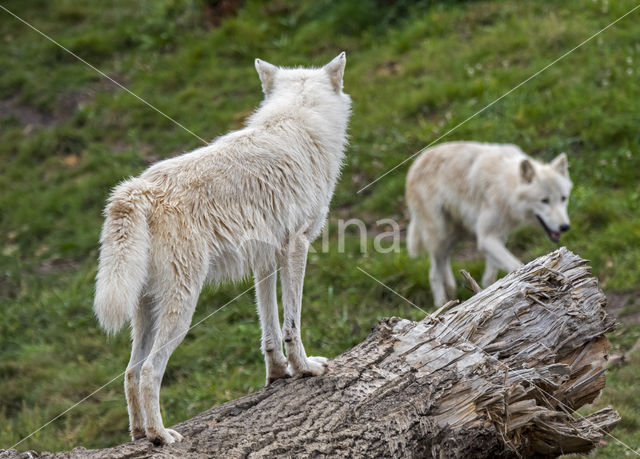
(484, 189)
(252, 201)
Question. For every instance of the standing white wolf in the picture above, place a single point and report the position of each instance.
(484, 189)
(252, 201)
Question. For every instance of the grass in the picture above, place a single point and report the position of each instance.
(415, 70)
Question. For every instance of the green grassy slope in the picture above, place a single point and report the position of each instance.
(413, 72)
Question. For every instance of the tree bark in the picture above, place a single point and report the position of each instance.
(499, 375)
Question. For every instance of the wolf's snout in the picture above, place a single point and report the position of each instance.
(564, 228)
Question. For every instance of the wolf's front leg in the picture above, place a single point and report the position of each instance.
(498, 255)
(490, 272)
(491, 234)
(275, 361)
(293, 265)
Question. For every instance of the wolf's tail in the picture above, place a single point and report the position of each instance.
(124, 254)
(415, 246)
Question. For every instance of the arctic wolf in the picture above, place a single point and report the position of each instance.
(251, 201)
(484, 189)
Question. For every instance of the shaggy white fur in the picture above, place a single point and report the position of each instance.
(486, 190)
(251, 201)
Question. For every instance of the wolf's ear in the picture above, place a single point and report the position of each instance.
(267, 73)
(527, 171)
(561, 165)
(335, 69)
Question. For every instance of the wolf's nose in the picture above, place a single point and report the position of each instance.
(564, 228)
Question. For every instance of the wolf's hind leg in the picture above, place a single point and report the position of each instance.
(173, 323)
(142, 335)
(441, 278)
(275, 361)
(415, 245)
(293, 264)
(438, 276)
(178, 286)
(439, 236)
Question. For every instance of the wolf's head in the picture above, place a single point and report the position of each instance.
(310, 87)
(545, 193)
(311, 97)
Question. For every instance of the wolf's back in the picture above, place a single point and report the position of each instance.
(124, 254)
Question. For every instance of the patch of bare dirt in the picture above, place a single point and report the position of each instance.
(25, 114)
(625, 305)
(32, 117)
(216, 10)
(57, 265)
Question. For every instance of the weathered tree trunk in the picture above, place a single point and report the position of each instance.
(497, 376)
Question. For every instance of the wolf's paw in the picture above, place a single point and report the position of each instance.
(137, 433)
(277, 368)
(176, 436)
(315, 366)
(283, 373)
(163, 437)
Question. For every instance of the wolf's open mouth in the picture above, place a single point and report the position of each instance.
(553, 235)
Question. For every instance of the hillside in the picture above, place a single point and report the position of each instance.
(414, 72)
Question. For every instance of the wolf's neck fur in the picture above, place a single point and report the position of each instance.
(324, 119)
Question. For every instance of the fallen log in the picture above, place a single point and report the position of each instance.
(499, 375)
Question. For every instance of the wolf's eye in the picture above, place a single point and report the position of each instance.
(564, 198)
(545, 201)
